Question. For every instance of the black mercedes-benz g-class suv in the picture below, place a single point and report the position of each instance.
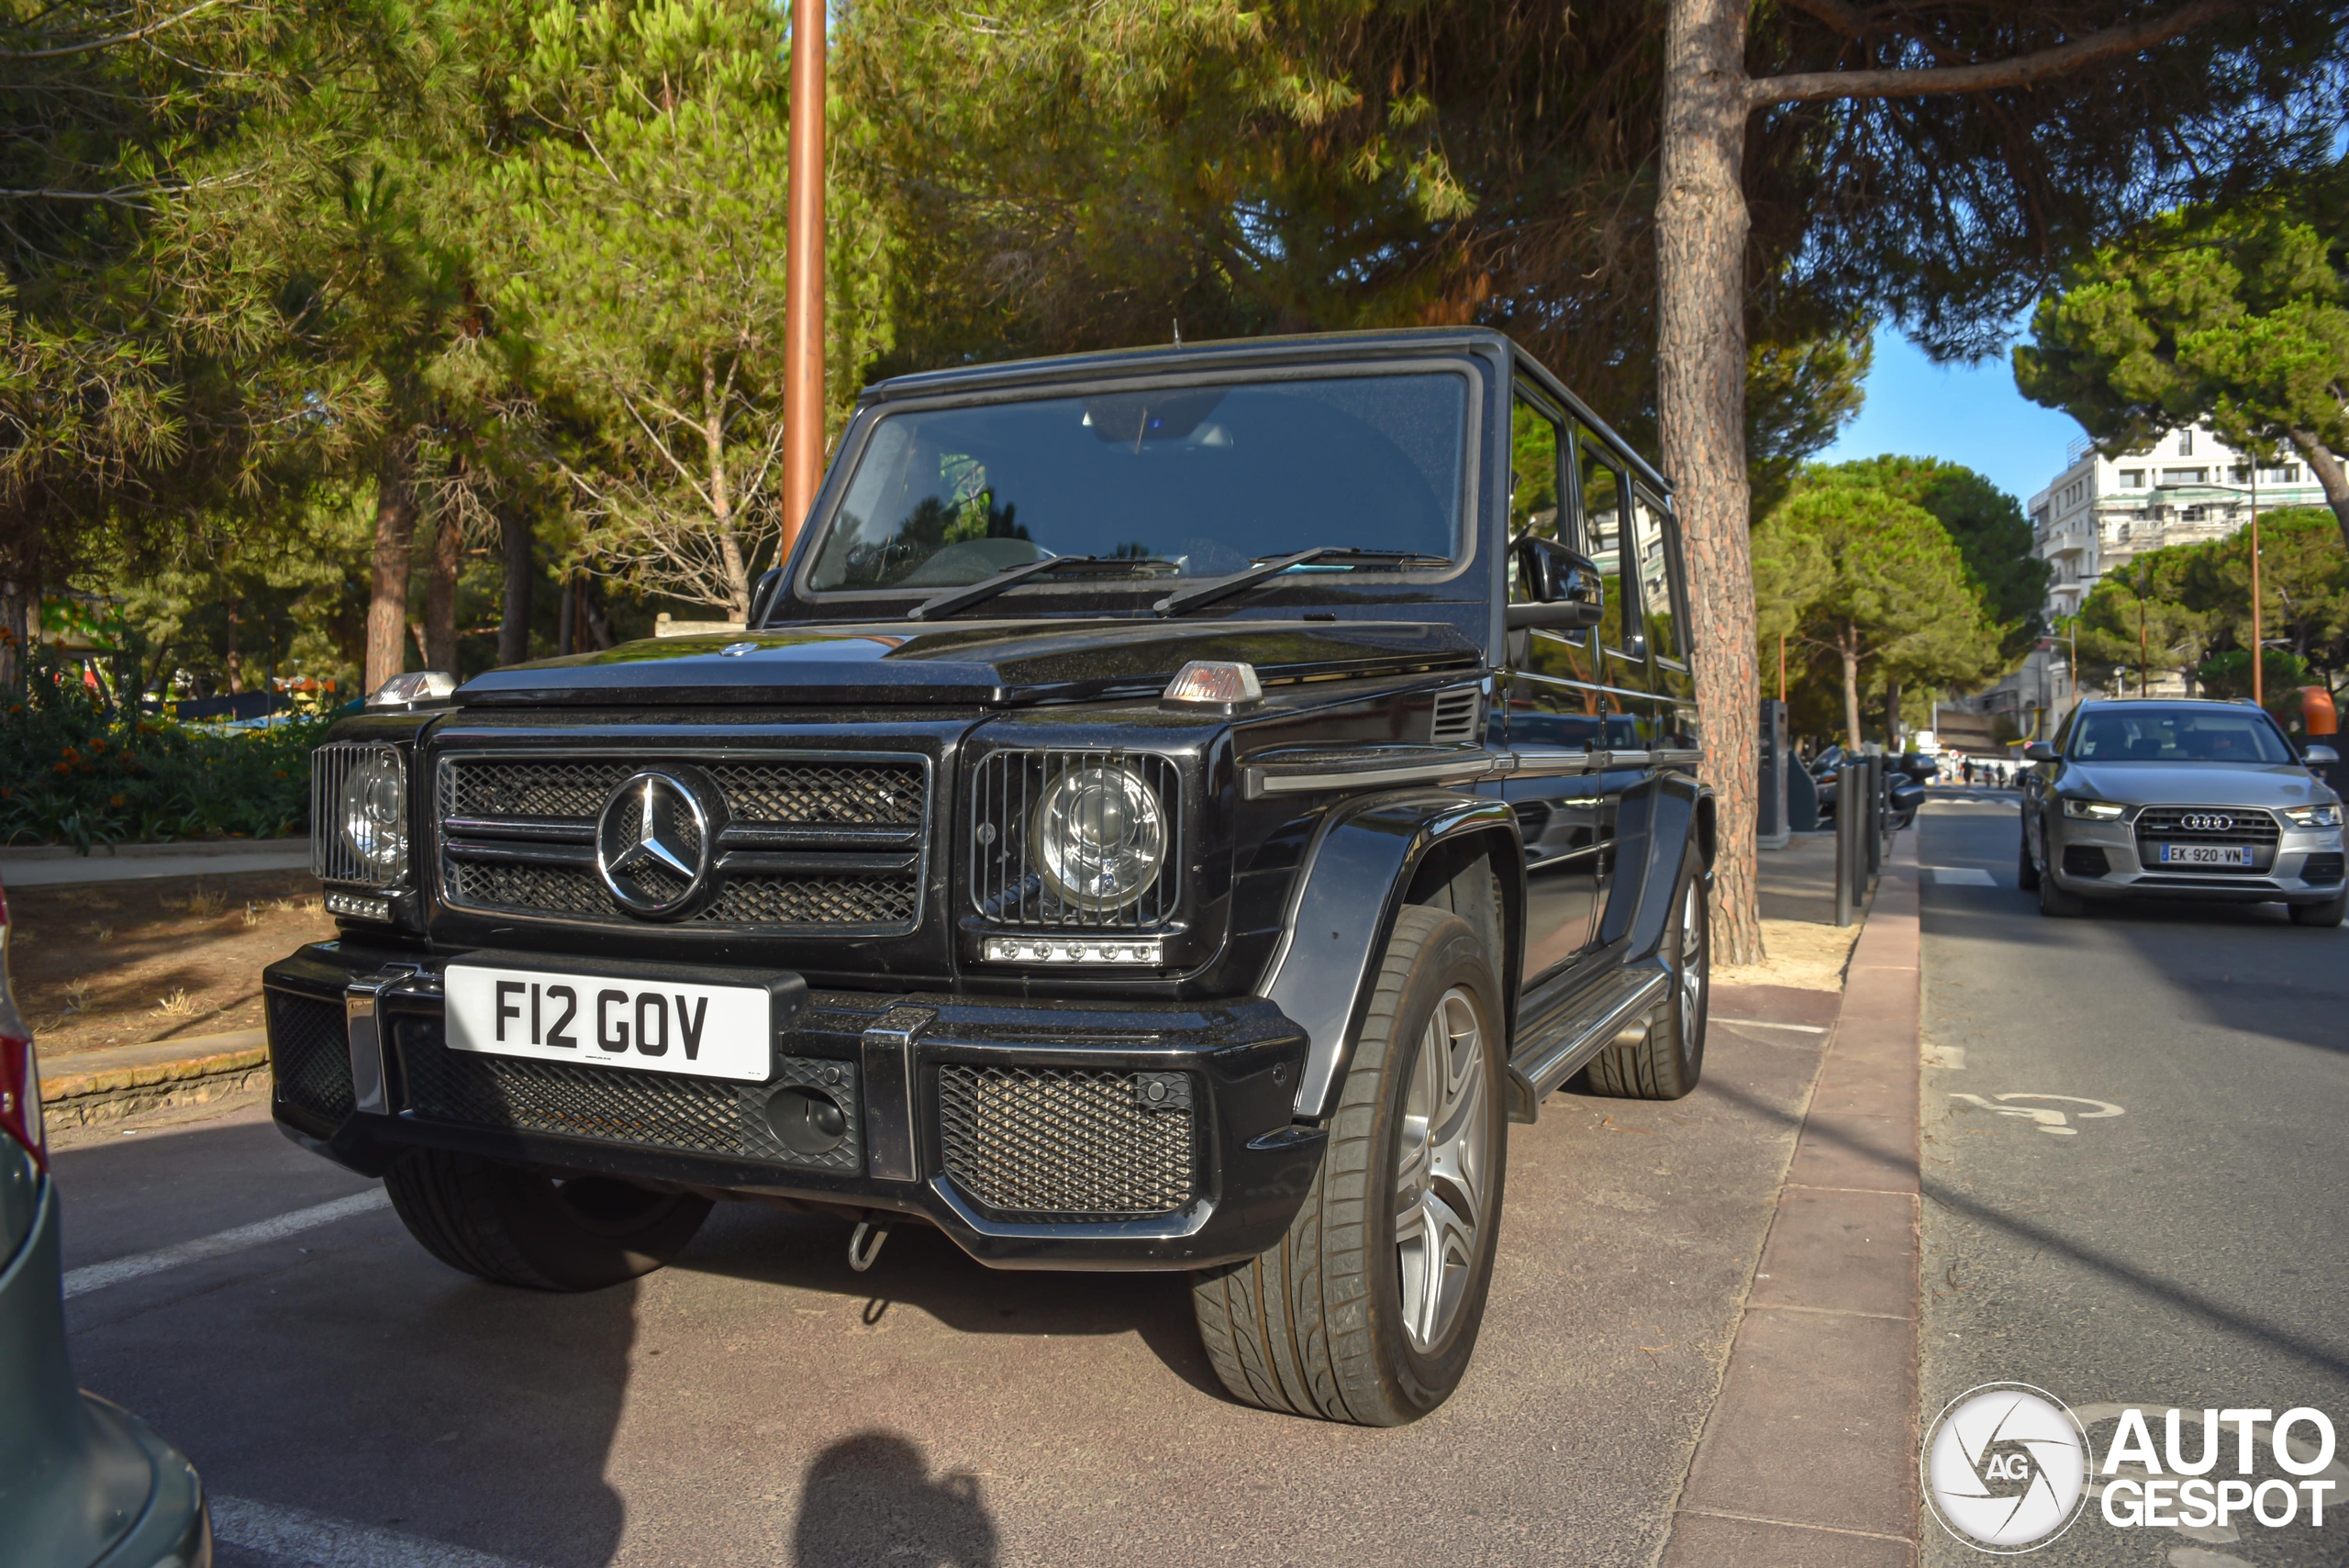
(1172, 810)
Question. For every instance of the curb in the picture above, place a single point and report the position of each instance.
(107, 1086)
(1808, 1456)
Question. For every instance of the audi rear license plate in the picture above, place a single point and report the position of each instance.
(2204, 855)
(709, 1031)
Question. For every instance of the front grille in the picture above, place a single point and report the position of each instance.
(309, 1055)
(517, 837)
(2322, 868)
(2158, 825)
(1065, 1145)
(649, 1110)
(1008, 792)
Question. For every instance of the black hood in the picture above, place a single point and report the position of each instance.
(1006, 662)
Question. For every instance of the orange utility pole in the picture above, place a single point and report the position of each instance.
(803, 325)
(2258, 649)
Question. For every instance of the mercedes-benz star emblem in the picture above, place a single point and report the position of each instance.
(653, 844)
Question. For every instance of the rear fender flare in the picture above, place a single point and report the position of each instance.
(1364, 861)
(1656, 823)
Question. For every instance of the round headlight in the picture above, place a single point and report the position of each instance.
(1100, 835)
(374, 815)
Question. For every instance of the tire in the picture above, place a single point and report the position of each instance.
(2053, 901)
(1317, 1324)
(2026, 869)
(2327, 914)
(1666, 1063)
(513, 1227)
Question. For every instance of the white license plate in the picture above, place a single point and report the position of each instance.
(2204, 855)
(659, 1026)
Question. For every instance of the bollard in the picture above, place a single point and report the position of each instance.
(1851, 822)
(1875, 816)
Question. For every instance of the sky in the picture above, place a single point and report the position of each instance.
(1969, 414)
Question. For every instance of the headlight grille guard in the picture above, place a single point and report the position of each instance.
(1006, 885)
(332, 858)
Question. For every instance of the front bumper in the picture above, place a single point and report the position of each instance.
(2284, 879)
(954, 1108)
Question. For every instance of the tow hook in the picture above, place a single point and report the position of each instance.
(860, 1256)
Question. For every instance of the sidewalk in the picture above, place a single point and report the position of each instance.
(89, 1086)
(50, 865)
(1810, 1454)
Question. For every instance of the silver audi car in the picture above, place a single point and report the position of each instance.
(2180, 800)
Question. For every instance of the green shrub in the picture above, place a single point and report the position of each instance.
(75, 770)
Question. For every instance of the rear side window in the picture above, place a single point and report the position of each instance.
(1656, 560)
(1605, 505)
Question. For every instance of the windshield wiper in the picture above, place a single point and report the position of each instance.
(986, 588)
(1239, 581)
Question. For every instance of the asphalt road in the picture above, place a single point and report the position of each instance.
(2134, 1164)
(350, 1400)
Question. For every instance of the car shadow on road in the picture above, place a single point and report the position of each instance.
(920, 1268)
(871, 1499)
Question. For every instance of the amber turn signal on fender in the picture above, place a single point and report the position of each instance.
(1214, 683)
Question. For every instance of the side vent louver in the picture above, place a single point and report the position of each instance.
(1455, 716)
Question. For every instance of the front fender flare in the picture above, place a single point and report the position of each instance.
(1355, 879)
(1654, 824)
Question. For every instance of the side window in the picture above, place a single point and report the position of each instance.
(1606, 494)
(1534, 488)
(1654, 540)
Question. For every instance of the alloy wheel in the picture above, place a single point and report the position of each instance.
(1441, 1170)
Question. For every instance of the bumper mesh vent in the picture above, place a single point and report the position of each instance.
(309, 1055)
(646, 1110)
(1066, 1145)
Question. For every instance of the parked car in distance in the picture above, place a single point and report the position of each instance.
(1174, 810)
(83, 1484)
(2163, 798)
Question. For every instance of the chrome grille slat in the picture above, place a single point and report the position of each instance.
(517, 832)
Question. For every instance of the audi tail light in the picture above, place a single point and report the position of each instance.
(19, 1074)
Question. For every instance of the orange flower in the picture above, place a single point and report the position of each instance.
(71, 755)
(64, 767)
(116, 800)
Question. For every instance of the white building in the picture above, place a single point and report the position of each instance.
(2100, 511)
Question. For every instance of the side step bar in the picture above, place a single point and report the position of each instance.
(1592, 1021)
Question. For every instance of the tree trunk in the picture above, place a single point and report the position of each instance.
(235, 663)
(1701, 225)
(1892, 715)
(395, 533)
(440, 595)
(599, 626)
(514, 617)
(2325, 463)
(722, 504)
(1847, 648)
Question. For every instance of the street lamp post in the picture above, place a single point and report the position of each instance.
(2259, 647)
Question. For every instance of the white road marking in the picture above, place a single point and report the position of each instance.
(1766, 1024)
(98, 1276)
(1960, 876)
(2050, 1121)
(314, 1540)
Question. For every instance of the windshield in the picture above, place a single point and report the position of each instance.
(2151, 733)
(1189, 481)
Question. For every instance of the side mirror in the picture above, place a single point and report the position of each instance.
(2039, 752)
(2319, 754)
(762, 595)
(1563, 589)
